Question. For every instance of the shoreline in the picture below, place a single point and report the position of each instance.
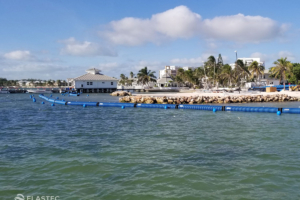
(210, 98)
(196, 94)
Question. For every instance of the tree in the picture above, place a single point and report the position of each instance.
(145, 76)
(296, 71)
(122, 79)
(211, 67)
(58, 82)
(131, 74)
(256, 69)
(295, 76)
(241, 71)
(227, 74)
(220, 60)
(282, 66)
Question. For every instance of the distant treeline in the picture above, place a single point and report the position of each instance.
(33, 82)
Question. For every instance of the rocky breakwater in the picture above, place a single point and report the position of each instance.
(208, 99)
(121, 93)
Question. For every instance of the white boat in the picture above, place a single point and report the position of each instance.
(4, 91)
(39, 91)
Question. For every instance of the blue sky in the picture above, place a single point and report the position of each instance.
(61, 39)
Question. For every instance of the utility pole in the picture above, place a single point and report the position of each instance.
(214, 72)
(235, 55)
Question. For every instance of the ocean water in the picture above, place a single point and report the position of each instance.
(133, 153)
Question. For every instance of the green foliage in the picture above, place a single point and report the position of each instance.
(124, 80)
(145, 76)
(282, 69)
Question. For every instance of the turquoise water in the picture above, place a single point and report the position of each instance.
(133, 153)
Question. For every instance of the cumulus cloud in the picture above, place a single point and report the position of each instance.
(290, 56)
(36, 67)
(242, 28)
(18, 55)
(181, 22)
(76, 48)
(270, 58)
(262, 56)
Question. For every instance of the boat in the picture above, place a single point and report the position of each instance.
(4, 91)
(39, 91)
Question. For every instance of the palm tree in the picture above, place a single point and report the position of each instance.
(131, 74)
(256, 69)
(241, 71)
(145, 76)
(123, 79)
(58, 82)
(282, 66)
(199, 74)
(178, 79)
(211, 64)
(227, 74)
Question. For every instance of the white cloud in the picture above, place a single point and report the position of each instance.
(33, 67)
(181, 22)
(108, 66)
(115, 68)
(263, 57)
(18, 55)
(76, 48)
(270, 58)
(287, 54)
(241, 28)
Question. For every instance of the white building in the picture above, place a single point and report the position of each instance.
(94, 81)
(263, 80)
(172, 70)
(248, 61)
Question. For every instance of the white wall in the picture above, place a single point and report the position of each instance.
(96, 84)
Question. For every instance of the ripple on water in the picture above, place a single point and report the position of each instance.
(133, 153)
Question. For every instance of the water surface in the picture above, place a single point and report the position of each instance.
(133, 153)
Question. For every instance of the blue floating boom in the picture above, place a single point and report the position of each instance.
(164, 106)
(60, 102)
(251, 109)
(200, 107)
(81, 103)
(174, 106)
(291, 110)
(117, 104)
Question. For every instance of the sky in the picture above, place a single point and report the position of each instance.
(61, 39)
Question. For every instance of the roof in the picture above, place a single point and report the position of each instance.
(94, 77)
(165, 79)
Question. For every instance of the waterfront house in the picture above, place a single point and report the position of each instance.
(94, 81)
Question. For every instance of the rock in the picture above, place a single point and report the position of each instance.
(121, 93)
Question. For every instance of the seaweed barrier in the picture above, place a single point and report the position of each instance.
(213, 108)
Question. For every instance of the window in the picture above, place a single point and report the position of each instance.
(91, 83)
(88, 83)
(112, 83)
(81, 85)
(102, 82)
